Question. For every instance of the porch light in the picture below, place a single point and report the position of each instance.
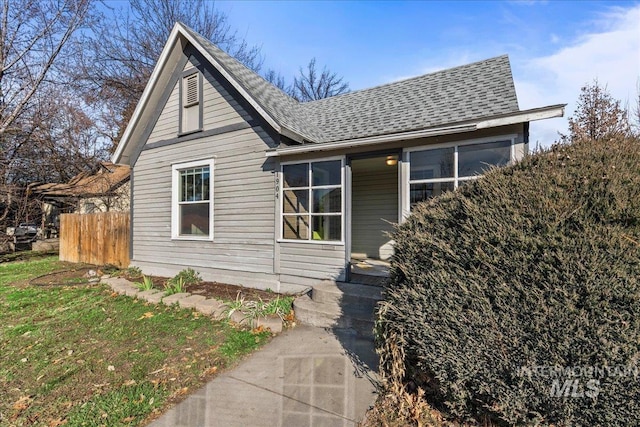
(391, 160)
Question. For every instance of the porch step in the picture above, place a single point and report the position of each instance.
(343, 306)
(347, 294)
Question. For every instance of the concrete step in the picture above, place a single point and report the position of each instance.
(335, 315)
(346, 294)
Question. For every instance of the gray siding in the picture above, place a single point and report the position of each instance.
(308, 263)
(243, 209)
(374, 206)
(219, 108)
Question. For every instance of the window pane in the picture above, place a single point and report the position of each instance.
(326, 173)
(296, 175)
(327, 227)
(477, 158)
(429, 164)
(295, 201)
(420, 192)
(194, 184)
(197, 186)
(295, 227)
(327, 200)
(206, 180)
(194, 219)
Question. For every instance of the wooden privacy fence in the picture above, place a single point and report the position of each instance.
(98, 238)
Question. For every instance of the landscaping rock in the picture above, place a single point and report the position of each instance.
(172, 299)
(212, 307)
(191, 301)
(131, 291)
(272, 323)
(121, 288)
(239, 317)
(152, 295)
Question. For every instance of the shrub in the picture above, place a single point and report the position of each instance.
(188, 276)
(179, 282)
(535, 265)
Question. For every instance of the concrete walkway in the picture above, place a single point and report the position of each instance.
(304, 377)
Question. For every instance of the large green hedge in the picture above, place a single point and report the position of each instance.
(532, 269)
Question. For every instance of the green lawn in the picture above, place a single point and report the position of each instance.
(81, 355)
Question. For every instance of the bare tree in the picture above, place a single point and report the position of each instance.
(311, 85)
(35, 49)
(278, 80)
(598, 115)
(120, 54)
(33, 38)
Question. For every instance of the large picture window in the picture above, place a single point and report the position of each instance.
(312, 201)
(435, 171)
(193, 200)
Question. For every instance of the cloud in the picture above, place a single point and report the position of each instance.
(611, 54)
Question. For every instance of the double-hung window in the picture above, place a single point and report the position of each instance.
(312, 200)
(435, 171)
(193, 200)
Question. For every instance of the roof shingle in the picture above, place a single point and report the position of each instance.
(469, 92)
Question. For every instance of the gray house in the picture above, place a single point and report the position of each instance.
(232, 177)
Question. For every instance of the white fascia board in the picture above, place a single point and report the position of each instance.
(351, 143)
(531, 115)
(135, 117)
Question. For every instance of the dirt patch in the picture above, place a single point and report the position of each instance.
(72, 277)
(221, 291)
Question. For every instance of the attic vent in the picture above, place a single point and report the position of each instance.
(191, 90)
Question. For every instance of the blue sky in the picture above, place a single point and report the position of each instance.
(555, 47)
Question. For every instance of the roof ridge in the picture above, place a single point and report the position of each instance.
(227, 56)
(407, 79)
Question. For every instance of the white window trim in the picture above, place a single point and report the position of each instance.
(175, 195)
(406, 156)
(310, 241)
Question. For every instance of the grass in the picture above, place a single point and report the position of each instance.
(83, 356)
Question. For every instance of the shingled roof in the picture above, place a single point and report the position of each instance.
(473, 91)
(460, 99)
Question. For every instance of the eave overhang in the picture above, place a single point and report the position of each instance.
(523, 116)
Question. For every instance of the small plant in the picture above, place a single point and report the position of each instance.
(146, 284)
(134, 271)
(189, 277)
(281, 307)
(180, 281)
(110, 269)
(236, 305)
(175, 285)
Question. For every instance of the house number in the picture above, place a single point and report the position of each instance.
(277, 188)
